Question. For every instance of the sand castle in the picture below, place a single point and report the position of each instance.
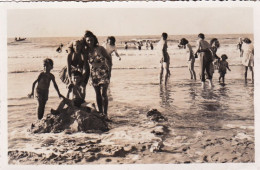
(71, 120)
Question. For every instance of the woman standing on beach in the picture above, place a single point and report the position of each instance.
(99, 58)
(76, 60)
(111, 47)
(248, 57)
(190, 56)
(203, 48)
(165, 58)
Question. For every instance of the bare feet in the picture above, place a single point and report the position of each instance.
(203, 85)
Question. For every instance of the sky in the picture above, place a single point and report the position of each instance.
(127, 21)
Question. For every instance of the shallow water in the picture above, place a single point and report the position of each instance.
(182, 101)
(134, 88)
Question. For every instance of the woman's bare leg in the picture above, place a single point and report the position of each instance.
(99, 98)
(246, 68)
(252, 69)
(166, 68)
(104, 98)
(161, 74)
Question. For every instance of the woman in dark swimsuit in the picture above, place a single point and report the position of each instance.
(77, 60)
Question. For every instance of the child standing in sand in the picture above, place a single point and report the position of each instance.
(77, 88)
(42, 88)
(223, 66)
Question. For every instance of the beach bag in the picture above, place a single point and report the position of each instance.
(64, 75)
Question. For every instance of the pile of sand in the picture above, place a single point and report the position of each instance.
(71, 120)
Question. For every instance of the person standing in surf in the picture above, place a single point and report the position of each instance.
(165, 58)
(190, 56)
(248, 57)
(203, 49)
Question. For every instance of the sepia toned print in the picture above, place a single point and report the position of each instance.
(130, 86)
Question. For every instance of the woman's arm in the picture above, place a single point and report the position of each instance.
(104, 53)
(86, 68)
(115, 50)
(69, 61)
(198, 47)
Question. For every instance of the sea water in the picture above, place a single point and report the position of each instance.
(135, 81)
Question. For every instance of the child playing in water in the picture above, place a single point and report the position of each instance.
(77, 88)
(42, 89)
(223, 66)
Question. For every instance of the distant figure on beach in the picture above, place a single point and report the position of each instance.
(99, 60)
(239, 46)
(214, 45)
(151, 45)
(190, 56)
(203, 49)
(42, 89)
(248, 57)
(165, 58)
(126, 46)
(139, 45)
(76, 60)
(59, 49)
(111, 47)
(147, 44)
(223, 66)
(77, 89)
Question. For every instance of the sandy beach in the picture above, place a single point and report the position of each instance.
(150, 125)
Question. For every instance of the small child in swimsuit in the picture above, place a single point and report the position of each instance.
(77, 88)
(223, 66)
(42, 89)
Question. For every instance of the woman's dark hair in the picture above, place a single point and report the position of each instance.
(247, 40)
(164, 35)
(214, 40)
(202, 36)
(90, 34)
(184, 41)
(112, 40)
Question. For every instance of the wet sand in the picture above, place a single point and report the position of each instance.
(203, 126)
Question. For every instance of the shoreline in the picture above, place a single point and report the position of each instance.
(134, 138)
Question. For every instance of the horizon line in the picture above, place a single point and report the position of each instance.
(126, 35)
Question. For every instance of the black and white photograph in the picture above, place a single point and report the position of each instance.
(130, 85)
